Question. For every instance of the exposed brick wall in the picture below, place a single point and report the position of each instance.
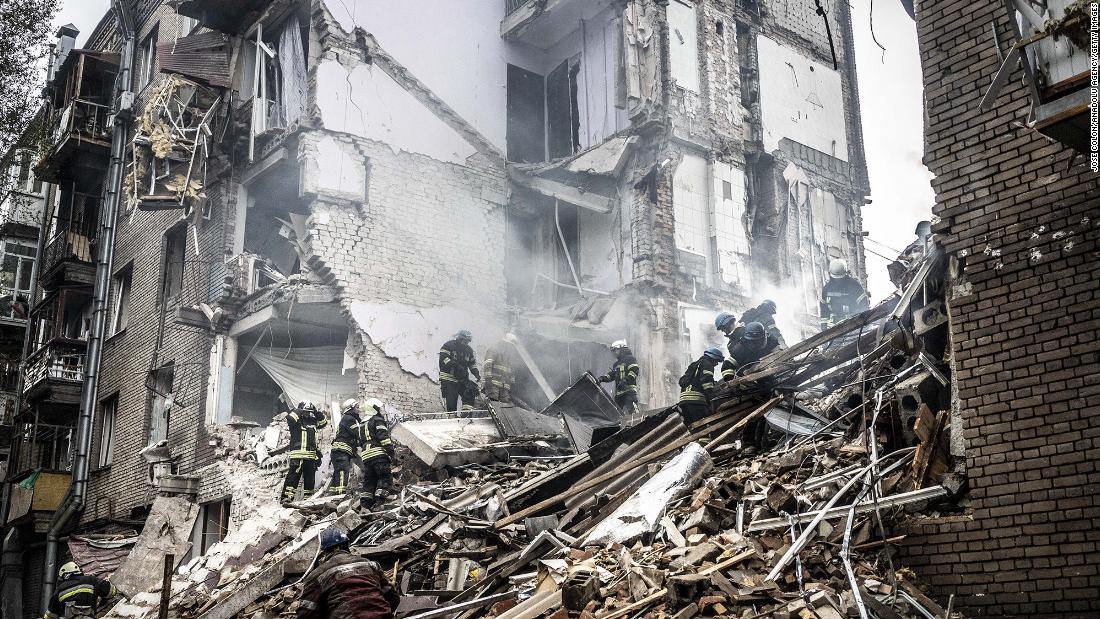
(115, 490)
(1020, 213)
(430, 235)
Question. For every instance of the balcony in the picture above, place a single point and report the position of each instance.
(55, 373)
(14, 305)
(69, 258)
(80, 124)
(37, 494)
(543, 23)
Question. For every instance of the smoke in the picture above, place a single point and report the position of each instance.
(796, 310)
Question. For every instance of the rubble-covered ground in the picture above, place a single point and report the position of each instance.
(783, 503)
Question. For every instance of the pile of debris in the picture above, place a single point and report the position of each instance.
(782, 503)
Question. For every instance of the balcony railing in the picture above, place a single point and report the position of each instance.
(83, 119)
(59, 359)
(67, 245)
(511, 6)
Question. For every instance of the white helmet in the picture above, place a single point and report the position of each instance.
(510, 338)
(619, 345)
(349, 403)
(838, 268)
(374, 404)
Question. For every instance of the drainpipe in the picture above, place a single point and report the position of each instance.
(74, 500)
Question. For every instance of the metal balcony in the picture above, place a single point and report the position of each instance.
(80, 142)
(56, 372)
(68, 258)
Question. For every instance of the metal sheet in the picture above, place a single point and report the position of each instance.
(584, 407)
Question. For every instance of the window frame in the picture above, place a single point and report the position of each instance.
(147, 58)
(108, 411)
(172, 275)
(123, 283)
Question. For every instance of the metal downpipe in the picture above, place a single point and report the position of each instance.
(74, 501)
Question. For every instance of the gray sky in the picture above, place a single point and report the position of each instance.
(891, 95)
(890, 92)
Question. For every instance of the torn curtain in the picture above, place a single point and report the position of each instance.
(309, 373)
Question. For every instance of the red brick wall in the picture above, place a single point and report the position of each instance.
(1021, 215)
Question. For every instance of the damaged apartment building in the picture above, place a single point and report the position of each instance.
(316, 195)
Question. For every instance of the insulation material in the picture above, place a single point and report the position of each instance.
(366, 102)
(691, 206)
(414, 335)
(801, 100)
(683, 26)
(314, 373)
(644, 509)
(292, 75)
(730, 233)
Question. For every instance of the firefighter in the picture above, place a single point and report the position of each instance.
(842, 296)
(697, 385)
(456, 364)
(377, 457)
(624, 373)
(500, 375)
(350, 438)
(304, 455)
(78, 595)
(765, 315)
(344, 585)
(727, 324)
(754, 344)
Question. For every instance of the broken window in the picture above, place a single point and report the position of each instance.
(526, 115)
(210, 527)
(684, 44)
(562, 110)
(22, 173)
(731, 238)
(147, 59)
(15, 279)
(108, 412)
(121, 314)
(277, 85)
(175, 255)
(159, 384)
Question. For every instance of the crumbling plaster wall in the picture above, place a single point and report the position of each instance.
(426, 234)
(1020, 214)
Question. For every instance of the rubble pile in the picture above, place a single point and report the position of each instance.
(782, 503)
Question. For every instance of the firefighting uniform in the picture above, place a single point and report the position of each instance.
(303, 453)
(624, 373)
(79, 596)
(349, 440)
(696, 389)
(842, 297)
(347, 586)
(456, 363)
(500, 375)
(377, 475)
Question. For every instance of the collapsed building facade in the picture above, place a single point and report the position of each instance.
(313, 201)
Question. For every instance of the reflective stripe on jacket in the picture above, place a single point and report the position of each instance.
(303, 433)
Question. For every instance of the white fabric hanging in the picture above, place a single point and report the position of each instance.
(310, 373)
(292, 65)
